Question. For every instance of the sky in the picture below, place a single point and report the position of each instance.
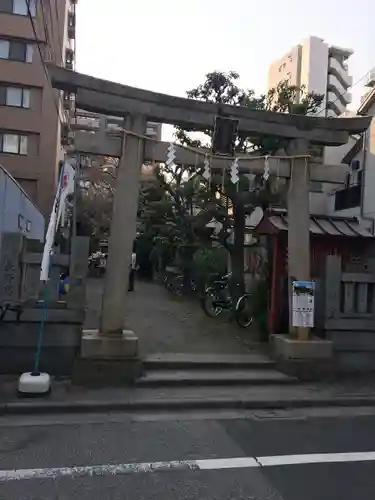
(169, 45)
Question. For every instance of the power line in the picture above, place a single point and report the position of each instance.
(46, 30)
(56, 103)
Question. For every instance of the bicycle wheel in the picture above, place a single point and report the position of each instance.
(244, 316)
(168, 284)
(178, 285)
(208, 303)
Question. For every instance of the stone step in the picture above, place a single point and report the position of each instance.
(182, 361)
(213, 377)
(177, 399)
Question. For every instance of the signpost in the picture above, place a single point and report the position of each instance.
(303, 305)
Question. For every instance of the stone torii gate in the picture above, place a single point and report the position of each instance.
(137, 106)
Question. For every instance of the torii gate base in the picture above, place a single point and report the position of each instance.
(107, 360)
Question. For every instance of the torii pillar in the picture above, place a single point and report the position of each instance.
(298, 222)
(110, 355)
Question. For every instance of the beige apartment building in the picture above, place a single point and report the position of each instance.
(31, 113)
(321, 68)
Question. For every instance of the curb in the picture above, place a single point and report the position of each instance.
(45, 408)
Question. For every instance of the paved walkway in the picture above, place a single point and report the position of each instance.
(165, 323)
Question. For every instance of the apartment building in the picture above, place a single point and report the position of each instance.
(321, 68)
(31, 113)
(357, 197)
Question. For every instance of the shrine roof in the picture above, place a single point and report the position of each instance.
(275, 221)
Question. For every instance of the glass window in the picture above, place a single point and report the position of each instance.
(14, 97)
(23, 145)
(4, 49)
(20, 7)
(10, 143)
(17, 96)
(26, 98)
(17, 51)
(6, 6)
(29, 53)
(14, 144)
(3, 95)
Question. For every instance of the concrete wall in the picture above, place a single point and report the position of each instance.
(314, 66)
(287, 67)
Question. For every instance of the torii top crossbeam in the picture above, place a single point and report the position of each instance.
(102, 96)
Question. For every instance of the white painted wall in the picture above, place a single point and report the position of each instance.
(369, 169)
(314, 66)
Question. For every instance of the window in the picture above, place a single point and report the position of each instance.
(316, 187)
(16, 51)
(4, 49)
(6, 5)
(13, 144)
(18, 97)
(348, 198)
(20, 7)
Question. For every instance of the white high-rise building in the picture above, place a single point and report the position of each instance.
(321, 68)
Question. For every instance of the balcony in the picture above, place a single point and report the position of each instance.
(69, 58)
(67, 137)
(71, 25)
(349, 197)
(335, 104)
(340, 72)
(68, 101)
(335, 86)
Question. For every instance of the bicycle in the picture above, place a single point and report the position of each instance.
(217, 298)
(176, 284)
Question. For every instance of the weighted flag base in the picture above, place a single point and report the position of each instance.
(34, 384)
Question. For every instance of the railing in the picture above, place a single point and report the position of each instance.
(340, 71)
(335, 86)
(357, 294)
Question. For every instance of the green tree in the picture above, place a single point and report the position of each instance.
(223, 201)
(94, 209)
(168, 211)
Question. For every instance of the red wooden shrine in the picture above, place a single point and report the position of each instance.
(329, 235)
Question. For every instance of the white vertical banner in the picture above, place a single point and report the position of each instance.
(65, 187)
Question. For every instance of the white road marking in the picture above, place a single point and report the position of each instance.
(316, 458)
(184, 465)
(226, 463)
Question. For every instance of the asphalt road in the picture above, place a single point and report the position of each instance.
(187, 457)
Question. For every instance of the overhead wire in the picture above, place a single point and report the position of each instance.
(37, 43)
(44, 21)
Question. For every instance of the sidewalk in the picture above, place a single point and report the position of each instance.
(169, 324)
